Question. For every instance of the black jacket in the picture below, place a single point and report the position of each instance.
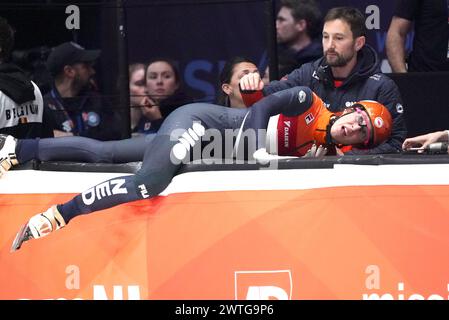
(88, 115)
(290, 60)
(21, 106)
(366, 82)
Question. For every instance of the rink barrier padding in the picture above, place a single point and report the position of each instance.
(299, 163)
(339, 231)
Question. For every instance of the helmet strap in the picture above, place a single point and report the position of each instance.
(329, 140)
(367, 120)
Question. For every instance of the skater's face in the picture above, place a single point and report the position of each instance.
(352, 128)
(161, 81)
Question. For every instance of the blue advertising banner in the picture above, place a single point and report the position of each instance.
(201, 37)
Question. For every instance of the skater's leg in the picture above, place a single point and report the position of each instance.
(83, 149)
(158, 168)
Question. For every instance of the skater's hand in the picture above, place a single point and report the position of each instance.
(315, 152)
(251, 81)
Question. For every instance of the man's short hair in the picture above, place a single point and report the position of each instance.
(307, 10)
(6, 39)
(351, 16)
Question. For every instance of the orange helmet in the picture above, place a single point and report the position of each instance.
(380, 118)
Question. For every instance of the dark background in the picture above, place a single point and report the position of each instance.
(200, 35)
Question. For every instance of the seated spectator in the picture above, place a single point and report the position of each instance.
(165, 94)
(21, 103)
(137, 91)
(229, 93)
(73, 107)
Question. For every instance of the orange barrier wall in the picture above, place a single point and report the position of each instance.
(351, 242)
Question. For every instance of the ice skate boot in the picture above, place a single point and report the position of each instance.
(39, 226)
(8, 156)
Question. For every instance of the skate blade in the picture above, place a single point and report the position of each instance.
(20, 238)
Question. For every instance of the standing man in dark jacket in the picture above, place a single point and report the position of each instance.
(348, 72)
(21, 103)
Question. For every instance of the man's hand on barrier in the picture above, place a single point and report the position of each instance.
(421, 143)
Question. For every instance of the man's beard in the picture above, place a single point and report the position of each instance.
(339, 60)
(281, 40)
(80, 84)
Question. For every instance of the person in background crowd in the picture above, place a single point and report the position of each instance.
(137, 91)
(430, 51)
(298, 26)
(21, 104)
(234, 69)
(72, 107)
(164, 94)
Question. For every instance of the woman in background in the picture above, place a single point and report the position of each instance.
(164, 94)
(137, 91)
